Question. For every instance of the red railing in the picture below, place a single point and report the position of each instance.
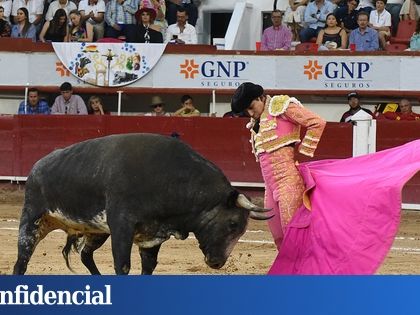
(225, 141)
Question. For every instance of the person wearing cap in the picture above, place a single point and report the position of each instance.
(354, 103)
(275, 130)
(157, 106)
(146, 31)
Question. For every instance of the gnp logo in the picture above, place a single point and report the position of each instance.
(218, 73)
(344, 74)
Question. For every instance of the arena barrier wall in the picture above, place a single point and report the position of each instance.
(225, 141)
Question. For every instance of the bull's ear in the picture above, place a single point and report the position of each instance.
(231, 201)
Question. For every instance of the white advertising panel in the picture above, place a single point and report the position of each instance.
(212, 71)
(317, 73)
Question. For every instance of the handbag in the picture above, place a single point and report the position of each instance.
(415, 42)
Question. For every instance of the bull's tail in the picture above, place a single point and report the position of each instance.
(72, 242)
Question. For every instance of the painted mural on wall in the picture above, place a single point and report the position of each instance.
(109, 64)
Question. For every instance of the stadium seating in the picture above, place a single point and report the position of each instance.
(406, 28)
(396, 47)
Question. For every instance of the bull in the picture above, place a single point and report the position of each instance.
(135, 188)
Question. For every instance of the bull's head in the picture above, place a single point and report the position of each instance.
(222, 227)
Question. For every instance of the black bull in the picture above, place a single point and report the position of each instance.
(139, 188)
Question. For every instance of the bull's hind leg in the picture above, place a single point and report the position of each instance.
(31, 231)
(148, 259)
(93, 242)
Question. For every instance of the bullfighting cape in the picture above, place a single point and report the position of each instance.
(356, 205)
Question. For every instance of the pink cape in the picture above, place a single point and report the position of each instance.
(355, 214)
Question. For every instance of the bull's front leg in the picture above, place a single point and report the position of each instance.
(148, 259)
(122, 233)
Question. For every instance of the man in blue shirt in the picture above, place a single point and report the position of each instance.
(315, 16)
(34, 105)
(364, 37)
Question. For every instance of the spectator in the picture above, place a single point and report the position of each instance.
(380, 20)
(93, 12)
(57, 29)
(366, 6)
(120, 19)
(294, 15)
(23, 28)
(7, 9)
(187, 109)
(145, 30)
(182, 32)
(332, 36)
(415, 39)
(80, 31)
(173, 6)
(158, 107)
(96, 106)
(278, 36)
(347, 15)
(232, 114)
(394, 8)
(315, 16)
(35, 105)
(364, 37)
(354, 104)
(4, 25)
(67, 103)
(159, 6)
(405, 114)
(410, 10)
(35, 9)
(66, 5)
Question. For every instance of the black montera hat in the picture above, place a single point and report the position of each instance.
(244, 95)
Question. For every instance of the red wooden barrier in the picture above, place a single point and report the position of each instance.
(225, 141)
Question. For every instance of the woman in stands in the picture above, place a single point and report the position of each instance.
(332, 37)
(80, 31)
(146, 31)
(57, 29)
(159, 6)
(4, 25)
(96, 106)
(23, 28)
(330, 216)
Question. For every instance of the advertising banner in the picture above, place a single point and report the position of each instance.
(111, 65)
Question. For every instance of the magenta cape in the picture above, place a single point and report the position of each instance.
(355, 214)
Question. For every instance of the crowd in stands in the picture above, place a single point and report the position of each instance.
(360, 25)
(137, 21)
(68, 103)
(402, 111)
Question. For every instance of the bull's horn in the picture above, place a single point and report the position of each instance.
(243, 202)
(259, 216)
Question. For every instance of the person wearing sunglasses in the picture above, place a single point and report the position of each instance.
(158, 107)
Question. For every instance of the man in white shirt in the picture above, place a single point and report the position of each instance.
(380, 20)
(66, 5)
(93, 11)
(181, 32)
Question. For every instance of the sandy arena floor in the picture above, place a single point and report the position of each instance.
(252, 255)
